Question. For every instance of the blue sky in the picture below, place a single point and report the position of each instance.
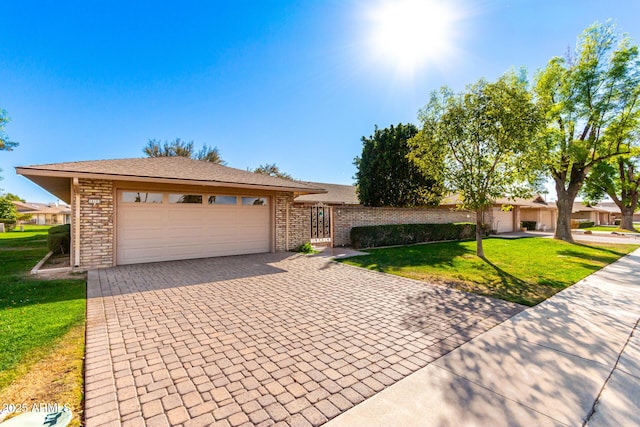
(296, 83)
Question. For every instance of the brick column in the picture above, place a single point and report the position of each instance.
(97, 213)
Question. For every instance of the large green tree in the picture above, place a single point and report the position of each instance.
(618, 178)
(385, 177)
(478, 143)
(591, 102)
(177, 147)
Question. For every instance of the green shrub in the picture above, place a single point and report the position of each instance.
(59, 239)
(9, 224)
(405, 234)
(7, 209)
(305, 248)
(60, 229)
(616, 222)
(586, 224)
(530, 225)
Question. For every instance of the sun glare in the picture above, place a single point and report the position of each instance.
(413, 34)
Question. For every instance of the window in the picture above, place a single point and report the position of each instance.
(255, 201)
(223, 200)
(185, 198)
(140, 197)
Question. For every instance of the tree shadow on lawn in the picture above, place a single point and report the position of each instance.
(608, 255)
(513, 288)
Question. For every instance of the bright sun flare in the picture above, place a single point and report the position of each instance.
(412, 34)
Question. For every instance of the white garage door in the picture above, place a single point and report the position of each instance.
(502, 221)
(160, 226)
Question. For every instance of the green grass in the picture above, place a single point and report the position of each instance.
(525, 271)
(609, 228)
(35, 313)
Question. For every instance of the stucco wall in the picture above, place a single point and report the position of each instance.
(347, 217)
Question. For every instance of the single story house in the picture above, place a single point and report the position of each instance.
(139, 210)
(600, 215)
(506, 214)
(45, 213)
(128, 211)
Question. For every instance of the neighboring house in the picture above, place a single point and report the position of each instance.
(598, 214)
(506, 214)
(613, 210)
(45, 214)
(504, 217)
(168, 208)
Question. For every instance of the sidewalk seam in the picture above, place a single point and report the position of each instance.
(595, 402)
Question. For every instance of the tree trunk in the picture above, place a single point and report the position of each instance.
(627, 218)
(566, 197)
(479, 228)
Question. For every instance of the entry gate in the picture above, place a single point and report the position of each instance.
(320, 224)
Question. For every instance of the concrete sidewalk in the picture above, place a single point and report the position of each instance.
(571, 360)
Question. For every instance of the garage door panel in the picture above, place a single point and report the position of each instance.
(502, 221)
(149, 233)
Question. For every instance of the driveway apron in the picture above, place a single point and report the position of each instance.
(269, 339)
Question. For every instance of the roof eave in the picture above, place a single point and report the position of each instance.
(37, 172)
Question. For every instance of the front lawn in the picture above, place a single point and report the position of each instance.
(39, 318)
(525, 271)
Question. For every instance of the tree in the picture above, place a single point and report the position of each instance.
(5, 143)
(7, 209)
(385, 177)
(618, 178)
(272, 170)
(177, 147)
(13, 197)
(592, 108)
(478, 143)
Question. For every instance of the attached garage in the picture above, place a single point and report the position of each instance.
(162, 226)
(128, 211)
(502, 221)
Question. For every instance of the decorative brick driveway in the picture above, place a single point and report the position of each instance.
(272, 339)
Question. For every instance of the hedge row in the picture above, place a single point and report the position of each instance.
(405, 234)
(59, 239)
(9, 224)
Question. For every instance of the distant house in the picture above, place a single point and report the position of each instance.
(506, 214)
(45, 213)
(600, 215)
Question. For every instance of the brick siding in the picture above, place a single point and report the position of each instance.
(96, 223)
(347, 217)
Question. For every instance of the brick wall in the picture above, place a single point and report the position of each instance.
(346, 217)
(293, 226)
(96, 223)
(299, 225)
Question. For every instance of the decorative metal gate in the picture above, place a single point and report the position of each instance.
(320, 224)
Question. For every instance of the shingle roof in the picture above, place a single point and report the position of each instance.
(537, 202)
(168, 168)
(43, 208)
(336, 194)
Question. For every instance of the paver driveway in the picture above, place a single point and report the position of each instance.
(263, 339)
